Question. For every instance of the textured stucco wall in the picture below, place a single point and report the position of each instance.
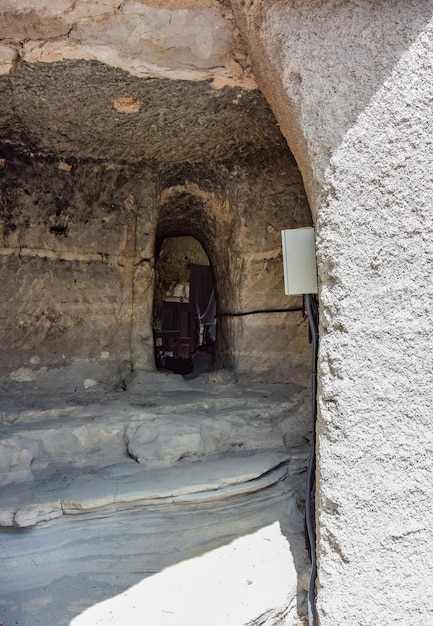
(351, 84)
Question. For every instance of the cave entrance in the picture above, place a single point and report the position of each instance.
(184, 311)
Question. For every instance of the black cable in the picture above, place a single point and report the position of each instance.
(313, 320)
(298, 308)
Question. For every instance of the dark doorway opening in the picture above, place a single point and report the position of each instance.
(184, 315)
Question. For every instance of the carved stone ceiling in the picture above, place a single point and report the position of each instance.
(156, 81)
(86, 110)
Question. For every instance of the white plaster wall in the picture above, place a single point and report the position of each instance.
(352, 86)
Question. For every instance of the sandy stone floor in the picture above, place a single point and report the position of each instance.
(214, 537)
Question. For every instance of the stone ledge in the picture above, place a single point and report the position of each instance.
(63, 490)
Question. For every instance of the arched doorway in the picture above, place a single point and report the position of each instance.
(184, 311)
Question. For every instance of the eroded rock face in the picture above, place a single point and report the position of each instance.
(16, 457)
(99, 165)
(74, 256)
(350, 83)
(188, 40)
(88, 110)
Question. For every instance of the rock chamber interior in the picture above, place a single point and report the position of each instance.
(99, 170)
(115, 191)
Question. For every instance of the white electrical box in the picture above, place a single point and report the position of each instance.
(299, 257)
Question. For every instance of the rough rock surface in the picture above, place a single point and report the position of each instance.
(123, 124)
(230, 562)
(78, 236)
(351, 84)
(79, 110)
(187, 40)
(16, 457)
(224, 530)
(190, 419)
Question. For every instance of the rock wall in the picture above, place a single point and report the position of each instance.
(69, 244)
(263, 340)
(157, 158)
(77, 262)
(351, 84)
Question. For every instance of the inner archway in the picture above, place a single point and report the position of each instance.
(184, 311)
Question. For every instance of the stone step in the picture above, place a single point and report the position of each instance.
(91, 430)
(62, 489)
